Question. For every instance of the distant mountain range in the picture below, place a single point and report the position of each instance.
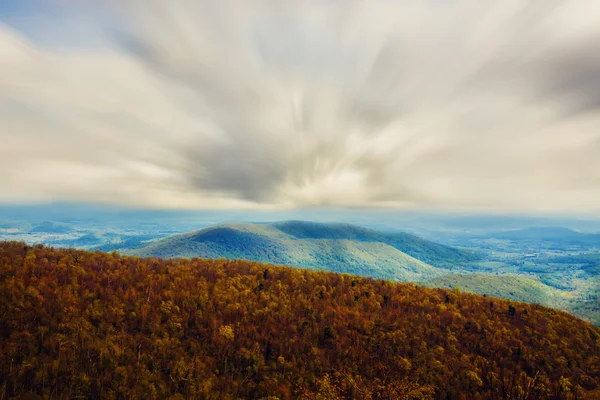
(335, 247)
(549, 234)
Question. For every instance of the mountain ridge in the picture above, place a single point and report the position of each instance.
(333, 246)
(547, 233)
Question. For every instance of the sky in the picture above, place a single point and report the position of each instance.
(401, 104)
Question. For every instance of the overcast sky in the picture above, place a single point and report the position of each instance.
(435, 104)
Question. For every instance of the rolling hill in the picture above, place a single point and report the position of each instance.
(334, 247)
(511, 287)
(76, 324)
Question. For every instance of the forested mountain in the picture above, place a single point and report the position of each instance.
(430, 252)
(334, 247)
(78, 324)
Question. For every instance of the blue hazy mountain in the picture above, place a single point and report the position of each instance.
(550, 233)
(51, 227)
(331, 246)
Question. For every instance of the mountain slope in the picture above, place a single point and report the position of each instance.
(510, 287)
(265, 244)
(77, 324)
(427, 251)
(334, 247)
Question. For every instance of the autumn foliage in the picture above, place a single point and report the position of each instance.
(77, 324)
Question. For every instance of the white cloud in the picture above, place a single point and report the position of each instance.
(464, 104)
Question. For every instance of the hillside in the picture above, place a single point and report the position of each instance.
(427, 251)
(77, 324)
(582, 302)
(510, 287)
(334, 247)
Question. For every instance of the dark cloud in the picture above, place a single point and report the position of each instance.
(573, 77)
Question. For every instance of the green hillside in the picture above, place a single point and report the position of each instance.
(334, 247)
(582, 302)
(427, 251)
(510, 287)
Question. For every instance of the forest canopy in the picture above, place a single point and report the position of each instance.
(79, 324)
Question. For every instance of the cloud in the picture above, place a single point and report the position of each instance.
(460, 105)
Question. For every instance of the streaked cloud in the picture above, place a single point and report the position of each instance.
(426, 104)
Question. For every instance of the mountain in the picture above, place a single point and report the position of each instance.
(78, 324)
(549, 234)
(427, 251)
(334, 247)
(51, 227)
